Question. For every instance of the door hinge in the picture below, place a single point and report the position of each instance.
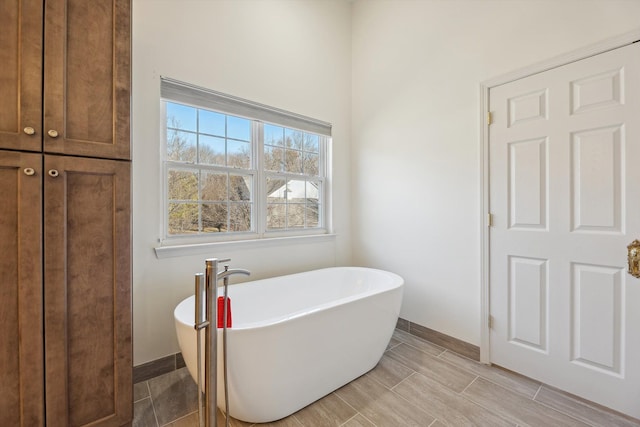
(490, 322)
(489, 220)
(489, 118)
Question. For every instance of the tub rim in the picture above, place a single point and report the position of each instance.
(396, 283)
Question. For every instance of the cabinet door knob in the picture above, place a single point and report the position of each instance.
(53, 133)
(29, 171)
(54, 173)
(29, 130)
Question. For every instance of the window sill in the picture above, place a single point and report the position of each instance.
(207, 248)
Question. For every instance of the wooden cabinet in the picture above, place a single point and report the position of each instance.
(87, 277)
(21, 74)
(65, 78)
(65, 213)
(85, 301)
(21, 290)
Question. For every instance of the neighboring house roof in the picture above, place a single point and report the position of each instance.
(294, 189)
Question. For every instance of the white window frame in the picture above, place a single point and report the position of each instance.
(197, 97)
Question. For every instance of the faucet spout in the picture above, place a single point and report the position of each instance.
(232, 271)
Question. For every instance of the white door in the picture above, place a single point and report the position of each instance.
(564, 161)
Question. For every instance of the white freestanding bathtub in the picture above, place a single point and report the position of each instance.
(297, 338)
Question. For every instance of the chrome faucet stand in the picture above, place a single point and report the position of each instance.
(206, 287)
(208, 290)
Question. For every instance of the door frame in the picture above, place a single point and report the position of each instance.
(557, 61)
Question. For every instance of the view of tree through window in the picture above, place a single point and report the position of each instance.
(207, 153)
(218, 177)
(292, 202)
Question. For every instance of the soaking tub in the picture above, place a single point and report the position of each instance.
(296, 338)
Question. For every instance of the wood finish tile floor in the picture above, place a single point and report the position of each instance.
(416, 383)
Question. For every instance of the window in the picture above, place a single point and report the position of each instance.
(234, 169)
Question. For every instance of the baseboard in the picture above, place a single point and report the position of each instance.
(157, 367)
(463, 348)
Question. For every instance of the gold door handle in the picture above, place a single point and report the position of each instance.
(53, 133)
(633, 258)
(29, 130)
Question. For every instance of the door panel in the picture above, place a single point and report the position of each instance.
(528, 184)
(21, 74)
(529, 107)
(21, 349)
(596, 304)
(563, 156)
(87, 78)
(596, 164)
(87, 292)
(597, 91)
(528, 302)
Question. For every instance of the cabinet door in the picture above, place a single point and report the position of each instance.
(21, 74)
(21, 350)
(87, 291)
(87, 78)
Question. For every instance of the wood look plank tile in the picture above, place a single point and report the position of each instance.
(143, 415)
(418, 343)
(446, 405)
(289, 421)
(390, 372)
(358, 421)
(392, 343)
(443, 372)
(232, 421)
(381, 406)
(190, 420)
(508, 379)
(174, 395)
(582, 410)
(416, 383)
(328, 411)
(140, 391)
(516, 407)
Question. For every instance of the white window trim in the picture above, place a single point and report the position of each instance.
(209, 248)
(185, 245)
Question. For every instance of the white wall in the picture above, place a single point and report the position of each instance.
(416, 69)
(399, 81)
(294, 55)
